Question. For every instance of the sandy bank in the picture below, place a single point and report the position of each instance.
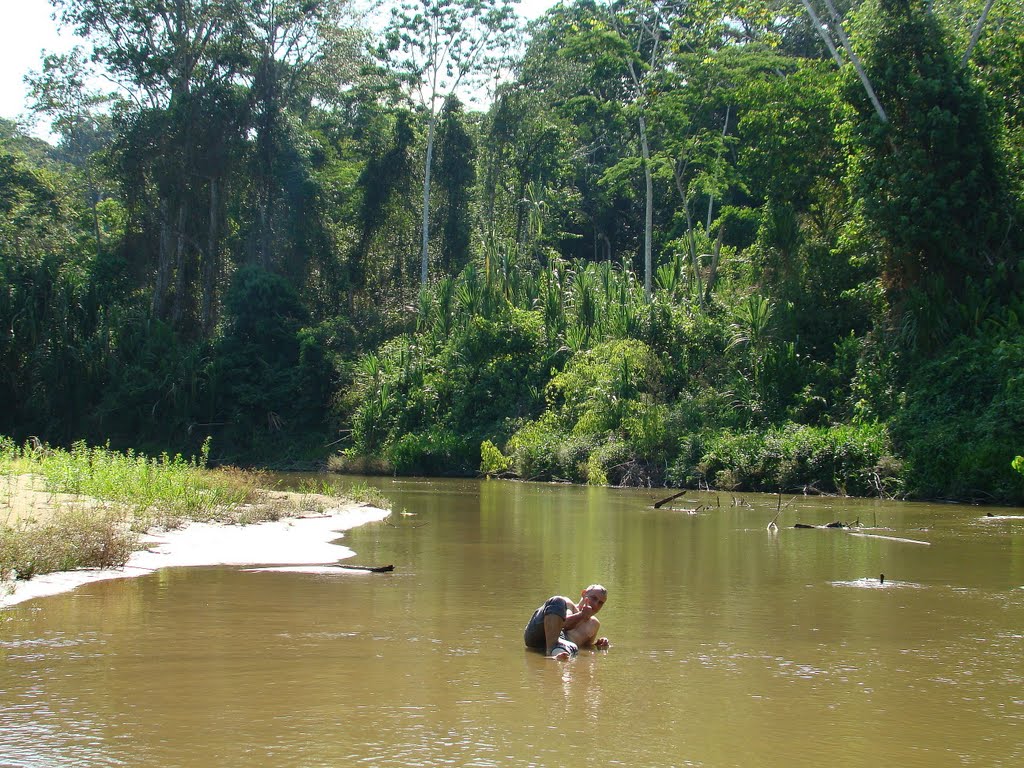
(25, 498)
(296, 541)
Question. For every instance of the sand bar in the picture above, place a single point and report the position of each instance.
(293, 541)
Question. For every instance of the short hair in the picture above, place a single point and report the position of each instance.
(597, 588)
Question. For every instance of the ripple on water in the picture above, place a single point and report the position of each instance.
(875, 583)
(52, 641)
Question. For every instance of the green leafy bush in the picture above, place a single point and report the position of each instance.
(420, 402)
(855, 460)
(492, 460)
(964, 415)
(437, 452)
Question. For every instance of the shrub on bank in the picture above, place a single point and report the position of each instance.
(436, 452)
(426, 409)
(853, 460)
(580, 379)
(964, 417)
(71, 539)
(602, 425)
(541, 450)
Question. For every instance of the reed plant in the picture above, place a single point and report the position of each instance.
(165, 487)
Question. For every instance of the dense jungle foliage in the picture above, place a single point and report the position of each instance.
(701, 244)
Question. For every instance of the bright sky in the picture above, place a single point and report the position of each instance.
(31, 29)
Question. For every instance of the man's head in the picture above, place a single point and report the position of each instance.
(595, 596)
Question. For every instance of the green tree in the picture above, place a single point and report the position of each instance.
(177, 61)
(388, 137)
(440, 47)
(78, 116)
(456, 176)
(930, 179)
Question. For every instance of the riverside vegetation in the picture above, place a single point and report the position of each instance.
(681, 244)
(86, 507)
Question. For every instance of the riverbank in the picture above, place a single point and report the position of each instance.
(304, 539)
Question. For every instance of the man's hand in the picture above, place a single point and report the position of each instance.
(602, 643)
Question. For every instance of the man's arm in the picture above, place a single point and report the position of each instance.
(576, 614)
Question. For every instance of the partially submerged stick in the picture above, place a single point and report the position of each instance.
(663, 502)
(371, 568)
(778, 511)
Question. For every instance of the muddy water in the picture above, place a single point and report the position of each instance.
(733, 646)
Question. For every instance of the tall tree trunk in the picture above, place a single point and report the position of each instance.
(649, 208)
(713, 272)
(163, 268)
(855, 60)
(94, 195)
(711, 197)
(426, 200)
(976, 35)
(522, 217)
(823, 33)
(182, 277)
(212, 262)
(265, 219)
(690, 238)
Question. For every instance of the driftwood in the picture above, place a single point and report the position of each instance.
(692, 510)
(371, 568)
(663, 502)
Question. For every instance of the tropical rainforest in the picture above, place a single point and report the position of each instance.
(767, 245)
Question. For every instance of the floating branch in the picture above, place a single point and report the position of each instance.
(692, 510)
(891, 538)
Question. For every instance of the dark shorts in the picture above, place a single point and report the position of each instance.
(533, 635)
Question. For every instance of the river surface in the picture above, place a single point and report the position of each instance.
(732, 645)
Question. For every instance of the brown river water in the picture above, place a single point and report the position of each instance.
(732, 645)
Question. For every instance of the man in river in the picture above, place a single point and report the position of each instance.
(560, 626)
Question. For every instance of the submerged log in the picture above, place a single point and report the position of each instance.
(371, 568)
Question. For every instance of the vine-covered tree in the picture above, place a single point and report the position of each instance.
(441, 48)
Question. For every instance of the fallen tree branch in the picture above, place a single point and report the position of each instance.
(663, 502)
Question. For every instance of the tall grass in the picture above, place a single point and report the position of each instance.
(72, 538)
(359, 492)
(151, 490)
